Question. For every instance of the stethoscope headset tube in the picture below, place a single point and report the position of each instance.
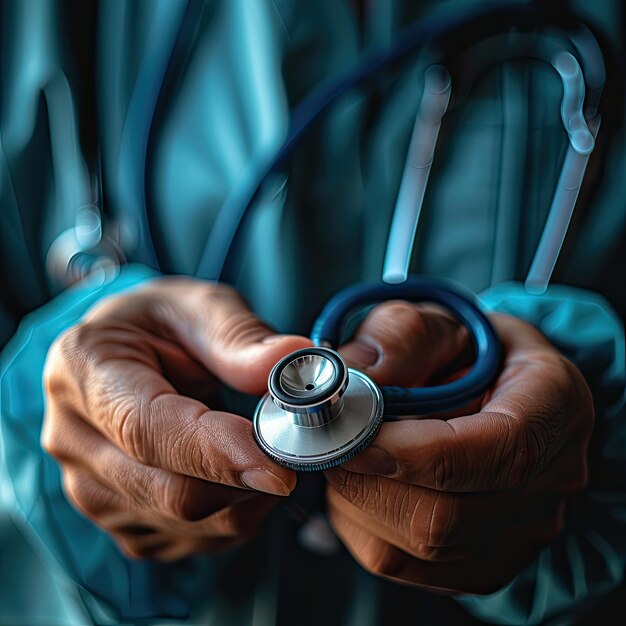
(455, 34)
(398, 400)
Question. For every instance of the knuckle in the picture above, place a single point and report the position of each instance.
(442, 477)
(233, 321)
(396, 501)
(407, 319)
(516, 453)
(200, 446)
(444, 520)
(403, 506)
(73, 344)
(240, 327)
(80, 491)
(132, 418)
(211, 469)
(539, 427)
(139, 483)
(352, 486)
(165, 301)
(51, 440)
(177, 499)
(63, 360)
(539, 439)
(527, 441)
(127, 424)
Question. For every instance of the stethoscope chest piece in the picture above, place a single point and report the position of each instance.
(317, 413)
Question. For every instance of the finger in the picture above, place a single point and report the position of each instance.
(145, 489)
(567, 473)
(422, 520)
(214, 325)
(139, 411)
(490, 567)
(481, 452)
(404, 344)
(395, 532)
(116, 514)
(176, 549)
(91, 498)
(382, 559)
(139, 540)
(238, 522)
(166, 547)
(539, 402)
(103, 506)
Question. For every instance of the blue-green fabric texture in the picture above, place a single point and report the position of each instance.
(187, 112)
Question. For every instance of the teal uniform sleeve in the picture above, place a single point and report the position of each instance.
(129, 589)
(588, 559)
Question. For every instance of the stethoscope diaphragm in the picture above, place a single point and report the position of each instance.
(317, 413)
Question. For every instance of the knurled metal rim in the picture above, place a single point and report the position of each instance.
(350, 452)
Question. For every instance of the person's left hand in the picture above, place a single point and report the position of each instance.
(461, 503)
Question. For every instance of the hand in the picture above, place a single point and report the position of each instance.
(141, 453)
(463, 503)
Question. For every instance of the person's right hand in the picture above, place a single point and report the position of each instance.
(141, 453)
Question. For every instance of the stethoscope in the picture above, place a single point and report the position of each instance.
(318, 412)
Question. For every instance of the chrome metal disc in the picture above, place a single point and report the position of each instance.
(344, 410)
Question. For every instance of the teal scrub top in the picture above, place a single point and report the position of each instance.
(168, 109)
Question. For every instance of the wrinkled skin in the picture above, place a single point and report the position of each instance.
(460, 503)
(128, 417)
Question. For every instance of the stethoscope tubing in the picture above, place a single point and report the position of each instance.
(399, 401)
(217, 252)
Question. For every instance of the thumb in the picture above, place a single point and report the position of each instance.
(405, 344)
(218, 328)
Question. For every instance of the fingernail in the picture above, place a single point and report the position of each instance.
(261, 480)
(361, 354)
(373, 460)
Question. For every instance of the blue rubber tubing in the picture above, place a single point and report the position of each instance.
(399, 401)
